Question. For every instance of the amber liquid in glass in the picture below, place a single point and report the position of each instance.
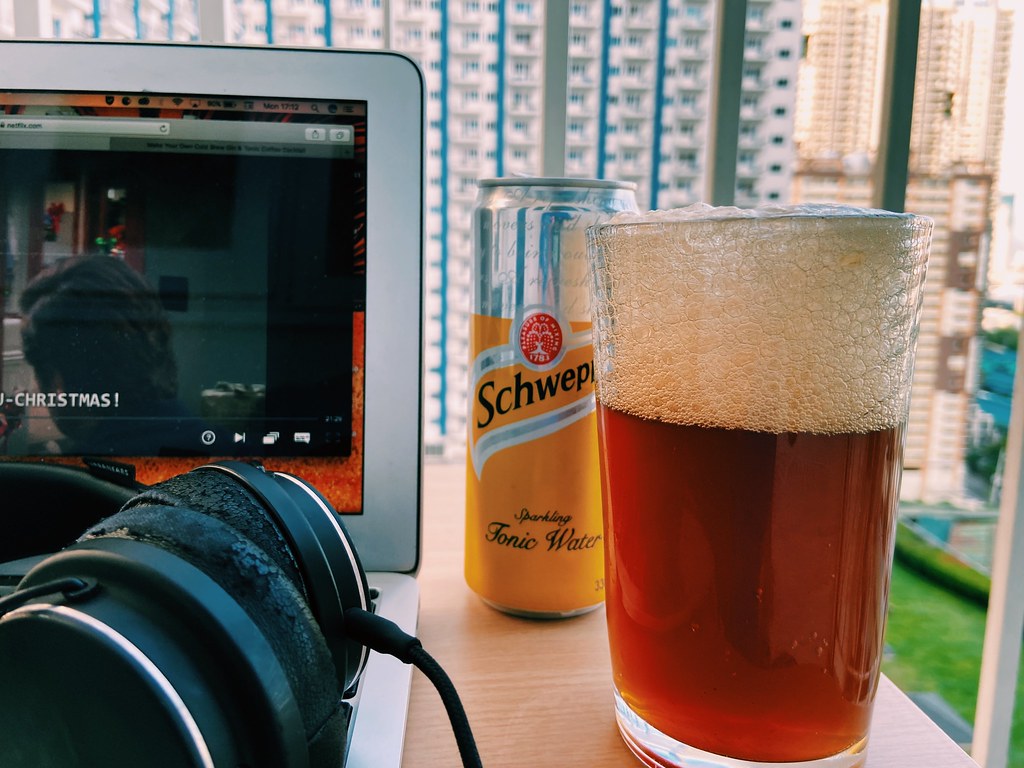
(747, 576)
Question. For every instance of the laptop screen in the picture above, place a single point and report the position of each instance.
(184, 278)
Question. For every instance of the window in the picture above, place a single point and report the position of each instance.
(578, 70)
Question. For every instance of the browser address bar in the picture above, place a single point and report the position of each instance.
(29, 124)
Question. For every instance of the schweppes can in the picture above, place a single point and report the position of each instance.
(534, 540)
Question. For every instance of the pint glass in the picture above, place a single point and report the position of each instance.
(753, 376)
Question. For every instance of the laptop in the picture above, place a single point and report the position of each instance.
(271, 198)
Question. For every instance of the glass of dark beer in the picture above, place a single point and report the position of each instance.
(753, 378)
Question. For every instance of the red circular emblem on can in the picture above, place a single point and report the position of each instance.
(540, 338)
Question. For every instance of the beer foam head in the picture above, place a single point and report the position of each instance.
(775, 319)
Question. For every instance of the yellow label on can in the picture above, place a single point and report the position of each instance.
(534, 539)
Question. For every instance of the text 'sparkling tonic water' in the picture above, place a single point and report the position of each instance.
(534, 542)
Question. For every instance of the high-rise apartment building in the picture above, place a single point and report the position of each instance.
(116, 19)
(963, 65)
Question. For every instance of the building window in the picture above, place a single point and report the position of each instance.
(521, 70)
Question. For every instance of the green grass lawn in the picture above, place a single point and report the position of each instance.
(936, 638)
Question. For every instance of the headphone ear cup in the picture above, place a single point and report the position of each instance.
(268, 596)
(297, 528)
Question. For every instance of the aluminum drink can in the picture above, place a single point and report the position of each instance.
(534, 539)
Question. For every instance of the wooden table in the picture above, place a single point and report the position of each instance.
(539, 694)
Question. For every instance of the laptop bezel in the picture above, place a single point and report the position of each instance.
(387, 532)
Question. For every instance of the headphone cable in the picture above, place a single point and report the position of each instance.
(385, 636)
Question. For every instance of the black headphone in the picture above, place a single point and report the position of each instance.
(203, 624)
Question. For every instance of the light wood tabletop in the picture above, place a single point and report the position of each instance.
(538, 693)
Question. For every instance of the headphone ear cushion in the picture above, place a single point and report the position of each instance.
(268, 596)
(220, 496)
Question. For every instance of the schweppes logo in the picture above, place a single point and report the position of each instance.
(531, 376)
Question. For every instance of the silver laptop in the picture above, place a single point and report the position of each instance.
(273, 199)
